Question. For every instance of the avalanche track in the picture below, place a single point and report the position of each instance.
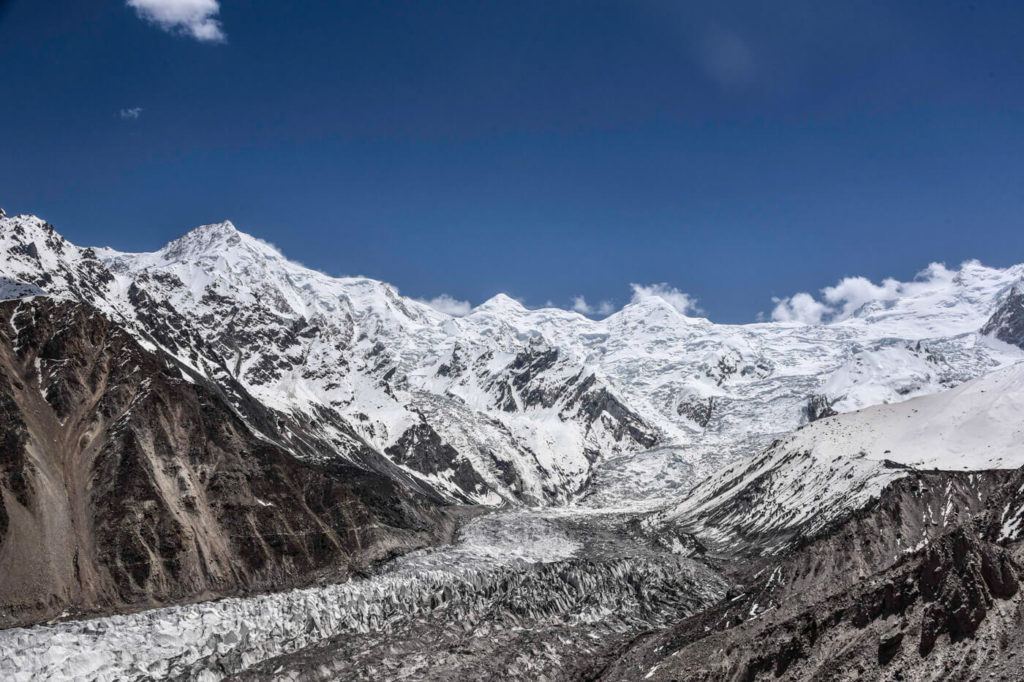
(536, 593)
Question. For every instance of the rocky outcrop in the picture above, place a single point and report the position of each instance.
(1007, 322)
(699, 411)
(959, 578)
(949, 610)
(422, 450)
(818, 407)
(124, 482)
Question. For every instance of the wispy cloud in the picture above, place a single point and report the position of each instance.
(132, 113)
(799, 308)
(193, 18)
(580, 305)
(850, 294)
(683, 302)
(449, 305)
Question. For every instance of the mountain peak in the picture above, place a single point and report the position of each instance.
(651, 308)
(26, 229)
(225, 227)
(225, 230)
(216, 239)
(502, 303)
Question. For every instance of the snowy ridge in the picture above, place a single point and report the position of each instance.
(507, 403)
(837, 464)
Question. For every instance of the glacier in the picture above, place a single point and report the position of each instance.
(609, 463)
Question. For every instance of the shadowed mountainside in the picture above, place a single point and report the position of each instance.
(125, 484)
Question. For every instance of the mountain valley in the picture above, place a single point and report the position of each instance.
(217, 463)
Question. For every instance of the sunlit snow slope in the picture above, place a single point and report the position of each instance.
(506, 403)
(837, 464)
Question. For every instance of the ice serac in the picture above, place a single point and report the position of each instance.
(126, 483)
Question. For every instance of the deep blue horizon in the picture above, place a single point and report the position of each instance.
(544, 150)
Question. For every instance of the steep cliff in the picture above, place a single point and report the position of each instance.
(126, 482)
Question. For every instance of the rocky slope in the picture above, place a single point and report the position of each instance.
(897, 590)
(847, 565)
(951, 611)
(124, 482)
(1007, 322)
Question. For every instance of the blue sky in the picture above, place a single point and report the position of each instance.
(734, 150)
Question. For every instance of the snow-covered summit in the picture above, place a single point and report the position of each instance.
(501, 304)
(508, 402)
(216, 240)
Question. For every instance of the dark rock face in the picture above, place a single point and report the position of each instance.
(698, 411)
(819, 407)
(596, 402)
(421, 448)
(731, 364)
(579, 397)
(527, 366)
(959, 578)
(124, 484)
(1005, 521)
(1007, 322)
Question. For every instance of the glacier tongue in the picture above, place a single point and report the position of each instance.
(511, 569)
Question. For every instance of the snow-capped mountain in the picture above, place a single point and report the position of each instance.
(505, 403)
(183, 424)
(836, 465)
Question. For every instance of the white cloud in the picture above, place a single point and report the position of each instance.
(799, 308)
(580, 305)
(194, 18)
(850, 294)
(853, 292)
(131, 114)
(449, 305)
(679, 300)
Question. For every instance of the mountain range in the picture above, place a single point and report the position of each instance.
(212, 419)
